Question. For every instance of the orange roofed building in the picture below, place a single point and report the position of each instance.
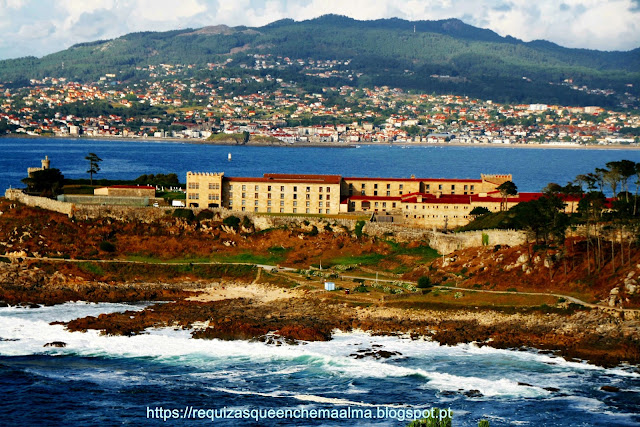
(426, 202)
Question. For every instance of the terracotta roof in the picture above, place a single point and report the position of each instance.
(413, 179)
(290, 178)
(143, 187)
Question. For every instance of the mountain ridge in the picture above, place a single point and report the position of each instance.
(393, 52)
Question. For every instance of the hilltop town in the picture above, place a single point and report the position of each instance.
(179, 101)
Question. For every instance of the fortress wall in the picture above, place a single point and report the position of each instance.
(40, 202)
(447, 243)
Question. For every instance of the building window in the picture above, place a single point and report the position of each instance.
(295, 203)
(328, 196)
(244, 202)
(453, 187)
(375, 193)
(319, 189)
(428, 187)
(257, 187)
(268, 202)
(255, 195)
(393, 205)
(214, 186)
(255, 209)
(308, 196)
(328, 189)
(230, 187)
(244, 195)
(319, 211)
(440, 187)
(402, 186)
(295, 210)
(281, 202)
(307, 210)
(362, 193)
(295, 196)
(308, 204)
(328, 204)
(384, 204)
(282, 195)
(363, 186)
(282, 188)
(388, 186)
(388, 193)
(268, 195)
(244, 187)
(295, 188)
(194, 196)
(268, 210)
(308, 189)
(320, 204)
(327, 211)
(281, 210)
(320, 197)
(472, 187)
(375, 186)
(255, 203)
(268, 188)
(376, 204)
(243, 209)
(194, 186)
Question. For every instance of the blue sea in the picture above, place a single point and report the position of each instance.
(532, 168)
(164, 374)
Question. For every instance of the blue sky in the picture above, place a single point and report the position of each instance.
(39, 27)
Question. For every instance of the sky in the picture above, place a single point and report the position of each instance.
(40, 27)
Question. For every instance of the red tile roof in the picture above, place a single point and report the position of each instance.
(290, 178)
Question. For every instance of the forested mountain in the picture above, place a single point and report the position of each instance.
(445, 56)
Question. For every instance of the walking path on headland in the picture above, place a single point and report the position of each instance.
(294, 270)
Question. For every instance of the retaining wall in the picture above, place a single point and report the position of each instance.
(40, 202)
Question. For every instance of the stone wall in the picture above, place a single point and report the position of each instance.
(446, 243)
(40, 202)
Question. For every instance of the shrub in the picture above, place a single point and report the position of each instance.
(424, 283)
(107, 246)
(361, 288)
(246, 222)
(205, 214)
(231, 221)
(314, 231)
(186, 214)
(328, 228)
(358, 230)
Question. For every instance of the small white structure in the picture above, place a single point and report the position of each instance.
(177, 203)
(329, 286)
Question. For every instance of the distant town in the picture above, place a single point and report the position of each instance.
(172, 103)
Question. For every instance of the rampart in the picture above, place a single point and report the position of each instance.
(40, 202)
(446, 243)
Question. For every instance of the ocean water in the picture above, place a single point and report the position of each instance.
(532, 168)
(113, 380)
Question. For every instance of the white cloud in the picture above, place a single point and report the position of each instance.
(38, 27)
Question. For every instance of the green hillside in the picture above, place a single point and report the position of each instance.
(393, 52)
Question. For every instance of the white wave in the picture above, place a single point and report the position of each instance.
(427, 360)
(302, 397)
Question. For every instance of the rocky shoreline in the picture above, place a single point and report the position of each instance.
(233, 310)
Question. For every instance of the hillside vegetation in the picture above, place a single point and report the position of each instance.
(476, 62)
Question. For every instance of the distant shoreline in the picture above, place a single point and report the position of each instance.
(232, 143)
